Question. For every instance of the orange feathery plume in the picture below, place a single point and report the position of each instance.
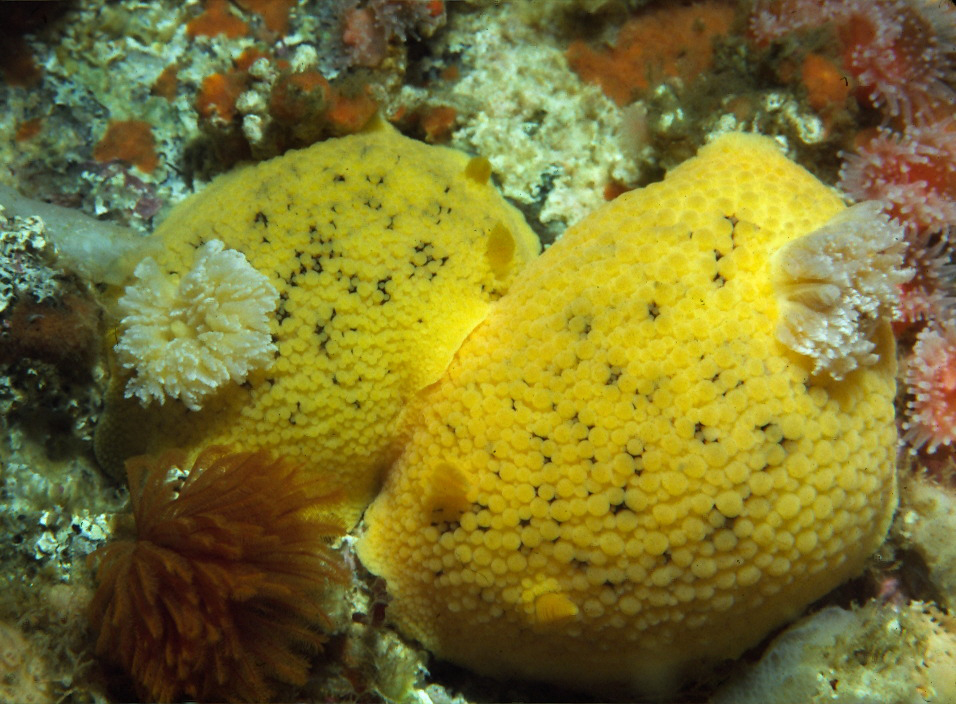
(218, 597)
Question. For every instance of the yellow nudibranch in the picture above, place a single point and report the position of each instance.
(296, 305)
(674, 432)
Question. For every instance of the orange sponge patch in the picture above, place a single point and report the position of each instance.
(666, 42)
(131, 141)
(274, 13)
(826, 85)
(215, 20)
(219, 93)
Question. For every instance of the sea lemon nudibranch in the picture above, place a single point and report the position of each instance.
(371, 258)
(672, 434)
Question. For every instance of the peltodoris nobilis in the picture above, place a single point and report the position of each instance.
(653, 451)
(381, 253)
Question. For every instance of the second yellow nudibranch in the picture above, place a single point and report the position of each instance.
(673, 433)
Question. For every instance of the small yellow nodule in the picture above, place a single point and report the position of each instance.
(478, 169)
(501, 249)
(554, 607)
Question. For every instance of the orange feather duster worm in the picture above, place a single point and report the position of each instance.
(219, 595)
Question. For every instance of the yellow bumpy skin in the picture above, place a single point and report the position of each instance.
(384, 254)
(625, 474)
